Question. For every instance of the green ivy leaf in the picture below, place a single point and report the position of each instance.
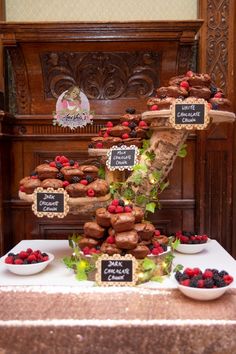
(183, 151)
(158, 278)
(141, 199)
(156, 175)
(178, 268)
(101, 172)
(128, 194)
(150, 155)
(69, 262)
(140, 168)
(146, 145)
(81, 275)
(175, 244)
(151, 207)
(137, 178)
(148, 264)
(163, 185)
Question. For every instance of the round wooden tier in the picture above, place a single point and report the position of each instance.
(215, 117)
(84, 205)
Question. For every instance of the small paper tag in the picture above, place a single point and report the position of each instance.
(190, 115)
(116, 270)
(122, 157)
(50, 202)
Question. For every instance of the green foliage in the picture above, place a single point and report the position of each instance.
(128, 194)
(183, 151)
(101, 172)
(141, 199)
(148, 264)
(150, 155)
(151, 207)
(178, 268)
(137, 178)
(146, 145)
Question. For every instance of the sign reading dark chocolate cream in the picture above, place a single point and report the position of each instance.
(116, 270)
(122, 157)
(50, 202)
(191, 115)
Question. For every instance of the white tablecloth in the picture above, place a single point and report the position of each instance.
(56, 274)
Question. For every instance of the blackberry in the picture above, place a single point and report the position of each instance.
(60, 176)
(132, 125)
(181, 97)
(220, 283)
(11, 254)
(184, 276)
(121, 203)
(178, 275)
(59, 165)
(34, 173)
(164, 96)
(75, 179)
(186, 233)
(193, 282)
(33, 262)
(197, 277)
(215, 271)
(44, 254)
(151, 247)
(222, 273)
(164, 247)
(98, 247)
(89, 179)
(208, 283)
(213, 89)
(215, 106)
(130, 110)
(133, 134)
(90, 145)
(72, 162)
(25, 261)
(194, 242)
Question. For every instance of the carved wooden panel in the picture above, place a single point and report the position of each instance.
(102, 75)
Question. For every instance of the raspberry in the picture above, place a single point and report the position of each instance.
(109, 125)
(22, 188)
(29, 250)
(9, 260)
(65, 184)
(100, 133)
(228, 279)
(119, 209)
(209, 105)
(111, 209)
(125, 136)
(57, 158)
(84, 182)
(65, 164)
(207, 274)
(128, 209)
(31, 258)
(189, 272)
(34, 177)
(200, 283)
(125, 124)
(93, 250)
(99, 145)
(154, 107)
(86, 250)
(106, 135)
(185, 282)
(189, 73)
(23, 254)
(184, 84)
(18, 261)
(184, 239)
(155, 251)
(142, 124)
(52, 164)
(110, 239)
(90, 192)
(157, 233)
(45, 258)
(115, 202)
(197, 271)
(218, 95)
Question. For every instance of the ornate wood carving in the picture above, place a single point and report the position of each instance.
(102, 75)
(20, 80)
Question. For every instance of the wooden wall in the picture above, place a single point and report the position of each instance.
(42, 60)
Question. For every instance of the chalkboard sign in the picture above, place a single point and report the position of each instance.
(116, 270)
(192, 114)
(50, 202)
(122, 157)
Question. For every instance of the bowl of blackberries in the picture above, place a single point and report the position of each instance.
(27, 262)
(208, 284)
(191, 242)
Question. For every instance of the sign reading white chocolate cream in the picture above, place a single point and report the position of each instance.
(122, 157)
(190, 114)
(116, 270)
(50, 202)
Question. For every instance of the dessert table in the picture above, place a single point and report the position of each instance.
(52, 312)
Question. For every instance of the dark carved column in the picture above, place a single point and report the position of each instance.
(217, 168)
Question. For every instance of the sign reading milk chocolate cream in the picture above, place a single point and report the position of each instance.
(116, 270)
(122, 157)
(190, 115)
(50, 202)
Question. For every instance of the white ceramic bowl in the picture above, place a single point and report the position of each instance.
(202, 294)
(192, 248)
(28, 269)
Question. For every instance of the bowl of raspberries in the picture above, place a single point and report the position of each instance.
(208, 284)
(27, 262)
(191, 242)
